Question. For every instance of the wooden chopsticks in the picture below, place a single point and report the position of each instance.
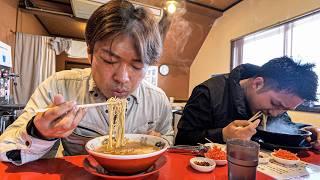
(255, 116)
(79, 106)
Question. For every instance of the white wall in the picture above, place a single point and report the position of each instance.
(246, 17)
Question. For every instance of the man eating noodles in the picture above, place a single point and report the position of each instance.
(122, 42)
(219, 108)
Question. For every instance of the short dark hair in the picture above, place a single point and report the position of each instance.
(284, 74)
(119, 17)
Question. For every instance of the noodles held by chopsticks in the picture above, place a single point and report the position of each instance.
(116, 109)
(116, 143)
(264, 121)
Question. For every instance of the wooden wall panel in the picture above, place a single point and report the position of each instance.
(183, 41)
(8, 16)
(28, 23)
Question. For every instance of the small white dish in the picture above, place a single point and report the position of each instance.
(263, 158)
(284, 161)
(202, 168)
(222, 147)
(220, 162)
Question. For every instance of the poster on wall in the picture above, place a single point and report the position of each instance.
(5, 55)
(152, 75)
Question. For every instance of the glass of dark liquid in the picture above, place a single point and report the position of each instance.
(243, 156)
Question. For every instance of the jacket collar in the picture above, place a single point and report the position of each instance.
(239, 100)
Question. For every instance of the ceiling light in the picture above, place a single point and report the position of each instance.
(171, 6)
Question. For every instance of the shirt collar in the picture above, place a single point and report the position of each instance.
(92, 84)
(136, 94)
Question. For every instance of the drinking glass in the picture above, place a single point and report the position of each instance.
(243, 156)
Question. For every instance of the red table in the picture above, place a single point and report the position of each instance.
(71, 167)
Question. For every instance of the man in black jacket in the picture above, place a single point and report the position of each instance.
(219, 108)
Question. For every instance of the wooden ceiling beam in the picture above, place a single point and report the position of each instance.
(52, 6)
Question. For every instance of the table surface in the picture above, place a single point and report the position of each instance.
(71, 167)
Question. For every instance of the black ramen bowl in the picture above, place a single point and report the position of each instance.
(291, 138)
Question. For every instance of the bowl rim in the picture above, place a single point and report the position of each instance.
(203, 168)
(127, 157)
(307, 133)
(221, 162)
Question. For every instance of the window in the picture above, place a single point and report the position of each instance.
(270, 45)
(298, 39)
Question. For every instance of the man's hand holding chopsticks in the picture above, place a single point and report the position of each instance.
(60, 120)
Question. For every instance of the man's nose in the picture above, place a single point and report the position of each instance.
(122, 73)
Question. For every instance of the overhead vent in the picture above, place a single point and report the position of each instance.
(84, 8)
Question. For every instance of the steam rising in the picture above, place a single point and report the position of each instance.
(281, 125)
(179, 35)
(179, 31)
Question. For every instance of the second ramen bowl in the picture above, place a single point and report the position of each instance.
(127, 164)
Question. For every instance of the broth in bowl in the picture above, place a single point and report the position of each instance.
(130, 148)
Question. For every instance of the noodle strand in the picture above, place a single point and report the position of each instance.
(116, 108)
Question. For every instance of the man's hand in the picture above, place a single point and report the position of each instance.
(315, 137)
(154, 133)
(241, 129)
(60, 120)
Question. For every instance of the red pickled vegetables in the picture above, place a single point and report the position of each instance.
(284, 154)
(216, 153)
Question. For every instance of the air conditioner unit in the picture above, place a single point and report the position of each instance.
(84, 8)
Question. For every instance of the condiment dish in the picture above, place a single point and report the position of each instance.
(202, 168)
(284, 161)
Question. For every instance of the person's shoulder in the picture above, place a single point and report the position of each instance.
(150, 88)
(215, 80)
(74, 74)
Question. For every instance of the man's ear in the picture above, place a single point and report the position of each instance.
(90, 53)
(258, 83)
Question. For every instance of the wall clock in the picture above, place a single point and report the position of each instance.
(164, 69)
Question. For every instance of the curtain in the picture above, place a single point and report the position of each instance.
(35, 61)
